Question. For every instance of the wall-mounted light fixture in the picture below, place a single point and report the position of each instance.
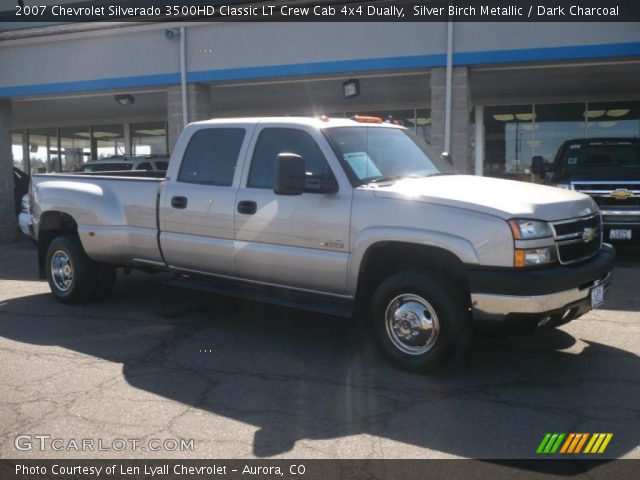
(351, 88)
(171, 33)
(125, 100)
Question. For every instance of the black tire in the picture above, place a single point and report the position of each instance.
(82, 281)
(430, 352)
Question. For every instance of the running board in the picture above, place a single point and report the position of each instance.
(266, 294)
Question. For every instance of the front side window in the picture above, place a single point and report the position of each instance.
(272, 142)
(375, 154)
(211, 156)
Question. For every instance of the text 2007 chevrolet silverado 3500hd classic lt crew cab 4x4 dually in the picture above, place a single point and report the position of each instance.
(328, 214)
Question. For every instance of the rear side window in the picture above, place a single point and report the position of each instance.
(211, 156)
(107, 167)
(273, 141)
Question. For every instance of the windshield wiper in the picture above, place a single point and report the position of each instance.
(387, 178)
(393, 178)
(437, 174)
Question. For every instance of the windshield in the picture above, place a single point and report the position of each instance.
(374, 154)
(587, 158)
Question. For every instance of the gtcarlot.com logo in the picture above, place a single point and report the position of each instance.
(574, 443)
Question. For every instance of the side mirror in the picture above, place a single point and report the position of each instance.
(447, 157)
(537, 165)
(289, 175)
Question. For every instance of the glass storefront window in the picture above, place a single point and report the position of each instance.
(108, 140)
(75, 147)
(43, 150)
(508, 140)
(423, 124)
(554, 125)
(613, 119)
(17, 150)
(149, 138)
(419, 120)
(515, 134)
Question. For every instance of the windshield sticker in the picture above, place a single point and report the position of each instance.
(572, 161)
(362, 165)
(575, 147)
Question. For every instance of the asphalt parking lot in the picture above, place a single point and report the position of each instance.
(246, 380)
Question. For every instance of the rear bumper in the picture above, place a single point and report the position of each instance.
(507, 295)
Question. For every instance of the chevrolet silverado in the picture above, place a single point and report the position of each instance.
(332, 215)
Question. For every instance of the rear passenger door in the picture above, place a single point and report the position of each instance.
(297, 241)
(196, 215)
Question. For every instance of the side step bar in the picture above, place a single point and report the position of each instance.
(266, 294)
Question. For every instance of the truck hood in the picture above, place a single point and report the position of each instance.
(493, 196)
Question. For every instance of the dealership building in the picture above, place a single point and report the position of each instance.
(493, 94)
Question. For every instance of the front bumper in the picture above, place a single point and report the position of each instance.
(508, 295)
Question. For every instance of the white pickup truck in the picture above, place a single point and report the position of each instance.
(329, 215)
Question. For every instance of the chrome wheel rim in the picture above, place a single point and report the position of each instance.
(61, 270)
(412, 324)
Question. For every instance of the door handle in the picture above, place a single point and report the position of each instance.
(247, 207)
(179, 202)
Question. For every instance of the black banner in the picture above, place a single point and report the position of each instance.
(321, 10)
(318, 469)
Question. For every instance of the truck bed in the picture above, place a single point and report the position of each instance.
(116, 212)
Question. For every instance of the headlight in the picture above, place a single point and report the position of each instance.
(534, 256)
(530, 229)
(564, 186)
(25, 205)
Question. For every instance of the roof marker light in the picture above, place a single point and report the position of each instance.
(366, 119)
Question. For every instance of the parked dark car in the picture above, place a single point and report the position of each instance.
(21, 187)
(607, 169)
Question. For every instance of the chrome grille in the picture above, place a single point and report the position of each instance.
(578, 239)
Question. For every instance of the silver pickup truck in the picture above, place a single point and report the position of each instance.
(332, 215)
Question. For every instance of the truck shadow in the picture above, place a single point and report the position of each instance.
(298, 376)
(622, 296)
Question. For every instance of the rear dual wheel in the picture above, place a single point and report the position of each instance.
(73, 277)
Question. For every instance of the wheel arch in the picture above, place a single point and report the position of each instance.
(385, 258)
(52, 224)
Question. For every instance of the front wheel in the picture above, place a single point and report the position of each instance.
(420, 320)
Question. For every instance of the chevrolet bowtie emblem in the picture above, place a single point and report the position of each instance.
(621, 194)
(588, 234)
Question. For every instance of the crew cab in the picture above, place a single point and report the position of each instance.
(332, 215)
(607, 169)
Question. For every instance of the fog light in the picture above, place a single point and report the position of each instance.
(534, 256)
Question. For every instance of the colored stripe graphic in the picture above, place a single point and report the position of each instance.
(550, 443)
(598, 443)
(543, 443)
(553, 443)
(582, 442)
(567, 443)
